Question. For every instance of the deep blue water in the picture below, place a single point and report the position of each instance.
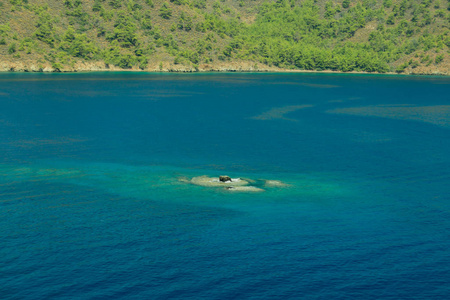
(91, 206)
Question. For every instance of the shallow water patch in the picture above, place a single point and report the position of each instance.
(278, 113)
(437, 115)
(173, 183)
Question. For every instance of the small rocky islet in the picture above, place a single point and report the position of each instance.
(233, 184)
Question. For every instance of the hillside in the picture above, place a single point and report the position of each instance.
(403, 36)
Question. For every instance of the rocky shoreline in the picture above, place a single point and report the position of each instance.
(31, 66)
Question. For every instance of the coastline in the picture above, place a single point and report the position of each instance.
(228, 67)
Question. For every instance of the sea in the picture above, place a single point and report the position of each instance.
(96, 198)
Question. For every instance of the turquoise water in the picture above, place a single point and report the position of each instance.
(91, 205)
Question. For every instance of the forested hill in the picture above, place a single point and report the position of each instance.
(404, 36)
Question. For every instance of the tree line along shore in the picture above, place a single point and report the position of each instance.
(383, 36)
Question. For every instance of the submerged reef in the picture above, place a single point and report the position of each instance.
(233, 184)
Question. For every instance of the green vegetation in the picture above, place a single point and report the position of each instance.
(12, 48)
(340, 35)
(165, 11)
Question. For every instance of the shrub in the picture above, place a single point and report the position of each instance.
(115, 4)
(133, 6)
(4, 30)
(390, 20)
(401, 68)
(124, 32)
(143, 63)
(200, 4)
(346, 3)
(79, 46)
(165, 12)
(126, 61)
(414, 64)
(57, 66)
(97, 6)
(146, 22)
(12, 48)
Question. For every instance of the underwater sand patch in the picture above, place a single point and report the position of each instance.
(280, 112)
(313, 85)
(437, 115)
(275, 183)
(29, 143)
(317, 85)
(244, 189)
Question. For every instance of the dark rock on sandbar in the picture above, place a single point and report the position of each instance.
(225, 178)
